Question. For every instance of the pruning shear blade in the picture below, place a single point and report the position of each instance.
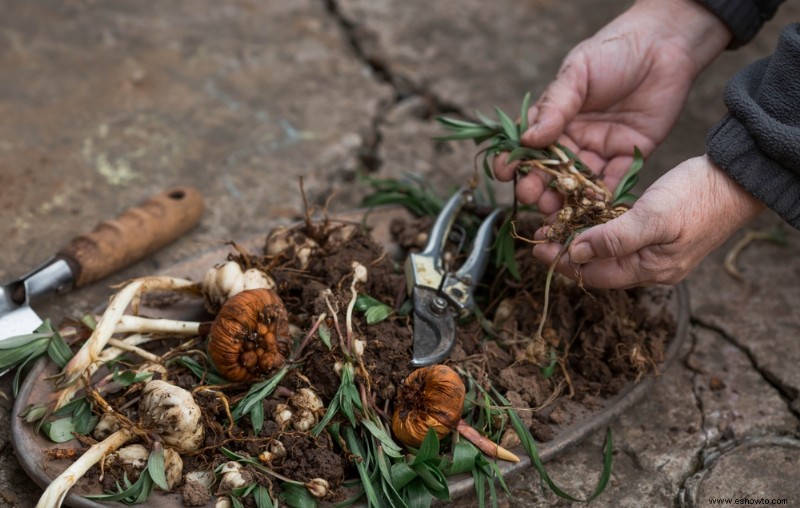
(440, 297)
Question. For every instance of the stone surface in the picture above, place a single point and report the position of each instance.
(105, 104)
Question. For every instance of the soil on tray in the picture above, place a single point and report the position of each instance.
(593, 344)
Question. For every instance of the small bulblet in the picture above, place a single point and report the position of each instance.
(250, 336)
(430, 397)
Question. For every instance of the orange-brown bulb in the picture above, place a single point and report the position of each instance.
(430, 397)
(249, 337)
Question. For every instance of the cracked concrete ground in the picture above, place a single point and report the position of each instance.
(104, 104)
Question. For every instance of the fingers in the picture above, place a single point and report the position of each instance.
(618, 238)
(502, 170)
(559, 103)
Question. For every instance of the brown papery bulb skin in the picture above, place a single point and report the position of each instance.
(430, 397)
(250, 335)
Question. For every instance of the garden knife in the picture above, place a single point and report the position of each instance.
(110, 246)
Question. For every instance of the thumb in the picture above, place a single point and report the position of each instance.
(558, 105)
(617, 238)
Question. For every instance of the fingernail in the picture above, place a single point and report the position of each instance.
(581, 253)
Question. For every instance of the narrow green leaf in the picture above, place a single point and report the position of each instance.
(548, 370)
(257, 417)
(402, 474)
(523, 113)
(236, 502)
(325, 335)
(58, 350)
(464, 456)
(429, 448)
(59, 431)
(258, 392)
(378, 313)
(89, 321)
(479, 480)
(391, 493)
(201, 372)
(478, 132)
(129, 377)
(155, 466)
(262, 498)
(487, 169)
(509, 127)
(433, 479)
(417, 495)
(488, 122)
(391, 448)
(529, 444)
(459, 124)
(630, 178)
(359, 460)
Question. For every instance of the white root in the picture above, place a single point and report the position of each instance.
(55, 493)
(63, 396)
(128, 295)
(137, 324)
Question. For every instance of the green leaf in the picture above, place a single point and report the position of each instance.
(487, 169)
(509, 127)
(389, 490)
(391, 448)
(132, 493)
(257, 418)
(359, 459)
(325, 335)
(456, 124)
(523, 113)
(548, 370)
(83, 418)
(155, 467)
(236, 502)
(505, 253)
(476, 133)
(417, 495)
(259, 392)
(200, 371)
(262, 498)
(629, 180)
(297, 496)
(129, 377)
(59, 431)
(489, 122)
(433, 479)
(89, 321)
(429, 448)
(59, 350)
(530, 447)
(464, 456)
(402, 474)
(378, 314)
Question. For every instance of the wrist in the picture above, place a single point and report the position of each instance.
(733, 200)
(690, 26)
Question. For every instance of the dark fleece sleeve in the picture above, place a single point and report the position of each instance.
(758, 142)
(743, 18)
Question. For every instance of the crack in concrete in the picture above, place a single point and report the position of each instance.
(788, 394)
(403, 87)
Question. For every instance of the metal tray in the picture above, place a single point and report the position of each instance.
(31, 448)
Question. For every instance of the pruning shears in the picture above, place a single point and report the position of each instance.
(440, 297)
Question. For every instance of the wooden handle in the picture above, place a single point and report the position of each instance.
(139, 231)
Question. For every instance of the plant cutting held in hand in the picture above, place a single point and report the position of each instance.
(586, 199)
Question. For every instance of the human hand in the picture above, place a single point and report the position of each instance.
(680, 219)
(621, 88)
